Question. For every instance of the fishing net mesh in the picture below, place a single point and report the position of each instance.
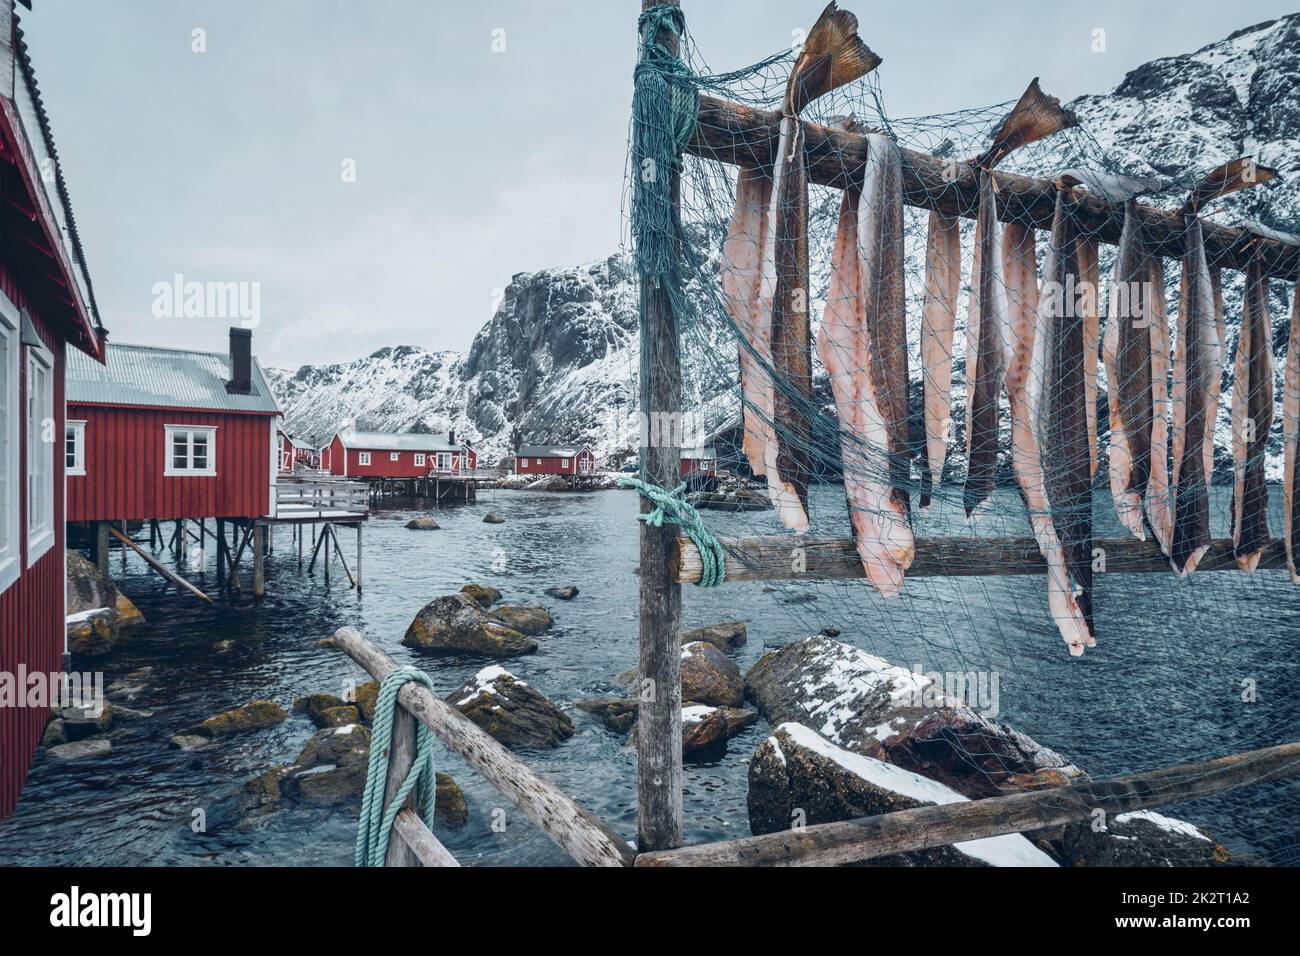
(1185, 669)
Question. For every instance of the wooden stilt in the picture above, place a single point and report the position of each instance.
(239, 554)
(259, 560)
(222, 550)
(334, 538)
(101, 546)
(315, 550)
(659, 720)
(161, 569)
(360, 525)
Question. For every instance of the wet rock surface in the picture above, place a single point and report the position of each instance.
(725, 635)
(483, 594)
(710, 677)
(457, 622)
(255, 715)
(423, 523)
(525, 620)
(510, 710)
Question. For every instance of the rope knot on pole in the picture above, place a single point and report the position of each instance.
(671, 507)
(375, 828)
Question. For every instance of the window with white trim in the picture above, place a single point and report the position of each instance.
(191, 451)
(395, 456)
(564, 463)
(9, 470)
(74, 448)
(41, 441)
(363, 458)
(419, 459)
(444, 461)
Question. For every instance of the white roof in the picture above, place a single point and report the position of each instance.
(386, 441)
(153, 376)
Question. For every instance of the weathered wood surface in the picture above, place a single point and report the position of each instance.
(852, 841)
(809, 557)
(659, 728)
(584, 836)
(401, 755)
(167, 573)
(420, 841)
(742, 135)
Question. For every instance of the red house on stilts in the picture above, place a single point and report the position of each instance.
(555, 460)
(354, 454)
(47, 313)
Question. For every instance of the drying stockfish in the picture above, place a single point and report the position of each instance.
(942, 282)
(1252, 420)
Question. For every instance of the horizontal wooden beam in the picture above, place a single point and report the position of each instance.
(852, 841)
(745, 136)
(809, 557)
(428, 849)
(583, 835)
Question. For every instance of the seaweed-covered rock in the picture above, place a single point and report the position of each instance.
(423, 523)
(450, 809)
(797, 777)
(726, 635)
(457, 623)
(705, 730)
(314, 705)
(255, 715)
(710, 677)
(563, 592)
(510, 710)
(91, 633)
(525, 620)
(364, 696)
(617, 713)
(484, 594)
(868, 706)
(98, 613)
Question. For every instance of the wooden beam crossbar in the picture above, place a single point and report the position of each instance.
(809, 557)
(746, 136)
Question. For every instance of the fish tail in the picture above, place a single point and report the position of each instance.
(1035, 116)
(832, 56)
(1231, 177)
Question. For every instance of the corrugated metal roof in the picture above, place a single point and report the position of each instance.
(700, 454)
(407, 441)
(550, 451)
(172, 378)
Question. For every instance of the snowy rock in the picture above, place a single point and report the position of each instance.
(705, 730)
(552, 483)
(458, 623)
(868, 706)
(510, 710)
(710, 677)
(1141, 838)
(98, 613)
(798, 777)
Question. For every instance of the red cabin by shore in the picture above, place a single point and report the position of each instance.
(165, 434)
(47, 313)
(554, 460)
(355, 454)
(699, 461)
(296, 454)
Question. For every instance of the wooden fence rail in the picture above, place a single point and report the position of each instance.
(809, 557)
(853, 841)
(294, 496)
(584, 836)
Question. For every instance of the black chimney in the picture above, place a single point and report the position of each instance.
(451, 437)
(241, 362)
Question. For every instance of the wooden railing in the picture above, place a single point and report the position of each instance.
(317, 497)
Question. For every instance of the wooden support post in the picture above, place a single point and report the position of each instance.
(300, 537)
(360, 525)
(401, 755)
(239, 554)
(338, 549)
(179, 538)
(153, 535)
(326, 533)
(222, 550)
(101, 546)
(203, 541)
(161, 569)
(659, 720)
(259, 560)
(867, 838)
(427, 848)
(124, 531)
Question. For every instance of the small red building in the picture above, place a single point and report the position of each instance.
(355, 454)
(295, 453)
(555, 460)
(47, 314)
(170, 434)
(699, 461)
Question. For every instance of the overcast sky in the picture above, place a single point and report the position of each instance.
(470, 164)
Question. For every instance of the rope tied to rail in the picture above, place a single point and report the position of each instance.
(671, 507)
(375, 828)
(665, 106)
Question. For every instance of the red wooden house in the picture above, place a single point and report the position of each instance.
(169, 434)
(699, 461)
(356, 454)
(47, 314)
(295, 453)
(554, 460)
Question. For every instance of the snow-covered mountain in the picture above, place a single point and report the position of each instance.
(558, 360)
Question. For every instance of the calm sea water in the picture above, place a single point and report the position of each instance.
(1165, 685)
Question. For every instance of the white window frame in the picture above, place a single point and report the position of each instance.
(75, 429)
(419, 459)
(11, 489)
(169, 468)
(564, 463)
(395, 456)
(41, 520)
(363, 458)
(444, 461)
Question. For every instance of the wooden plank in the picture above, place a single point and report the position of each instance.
(811, 557)
(149, 560)
(742, 135)
(401, 755)
(659, 726)
(853, 841)
(583, 835)
(426, 847)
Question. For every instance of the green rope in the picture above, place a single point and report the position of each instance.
(376, 824)
(665, 107)
(671, 507)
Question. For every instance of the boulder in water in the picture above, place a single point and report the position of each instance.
(314, 705)
(564, 592)
(364, 696)
(525, 620)
(510, 710)
(797, 777)
(705, 729)
(725, 635)
(457, 623)
(617, 713)
(331, 769)
(491, 518)
(550, 483)
(90, 749)
(484, 594)
(710, 677)
(423, 523)
(450, 808)
(255, 715)
(98, 613)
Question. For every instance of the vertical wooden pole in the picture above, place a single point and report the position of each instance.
(401, 755)
(101, 546)
(221, 551)
(300, 537)
(659, 719)
(360, 525)
(259, 560)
